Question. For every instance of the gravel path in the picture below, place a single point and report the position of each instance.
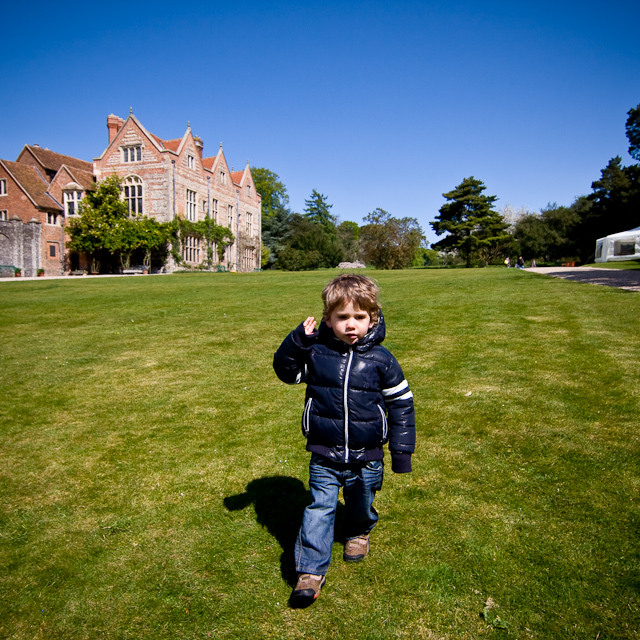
(621, 278)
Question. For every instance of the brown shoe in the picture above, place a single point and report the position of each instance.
(307, 590)
(356, 549)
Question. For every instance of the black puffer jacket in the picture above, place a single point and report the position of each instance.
(357, 397)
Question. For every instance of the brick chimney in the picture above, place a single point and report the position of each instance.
(114, 124)
(199, 144)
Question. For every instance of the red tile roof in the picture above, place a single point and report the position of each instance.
(52, 161)
(33, 183)
(84, 178)
(172, 145)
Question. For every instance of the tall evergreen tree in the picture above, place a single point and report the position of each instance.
(275, 230)
(469, 219)
(615, 203)
(633, 132)
(317, 210)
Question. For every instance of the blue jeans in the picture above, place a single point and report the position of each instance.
(360, 483)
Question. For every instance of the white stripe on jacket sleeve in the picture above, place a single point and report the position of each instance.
(399, 387)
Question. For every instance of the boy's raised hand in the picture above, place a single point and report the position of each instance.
(309, 325)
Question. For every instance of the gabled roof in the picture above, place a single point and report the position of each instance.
(172, 145)
(237, 176)
(32, 183)
(85, 180)
(52, 161)
(212, 162)
(209, 163)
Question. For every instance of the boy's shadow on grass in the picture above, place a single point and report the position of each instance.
(279, 502)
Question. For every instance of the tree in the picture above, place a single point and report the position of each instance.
(275, 230)
(390, 243)
(532, 238)
(550, 235)
(273, 192)
(99, 212)
(633, 132)
(317, 210)
(469, 220)
(265, 254)
(348, 240)
(309, 237)
(612, 206)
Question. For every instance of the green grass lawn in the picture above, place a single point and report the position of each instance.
(153, 472)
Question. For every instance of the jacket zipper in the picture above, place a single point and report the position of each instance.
(385, 427)
(305, 418)
(346, 406)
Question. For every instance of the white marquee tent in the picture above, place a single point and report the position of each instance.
(619, 246)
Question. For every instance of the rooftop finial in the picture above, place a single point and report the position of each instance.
(188, 124)
(221, 145)
(130, 110)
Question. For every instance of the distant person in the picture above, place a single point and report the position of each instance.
(533, 263)
(507, 261)
(520, 263)
(357, 399)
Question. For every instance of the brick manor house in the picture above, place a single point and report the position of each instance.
(163, 179)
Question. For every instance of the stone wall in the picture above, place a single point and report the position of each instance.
(20, 245)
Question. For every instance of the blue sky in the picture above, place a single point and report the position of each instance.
(374, 104)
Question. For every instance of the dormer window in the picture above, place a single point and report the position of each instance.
(71, 202)
(132, 154)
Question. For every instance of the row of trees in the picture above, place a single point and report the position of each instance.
(612, 206)
(316, 238)
(556, 233)
(475, 231)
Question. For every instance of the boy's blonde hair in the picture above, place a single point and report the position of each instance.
(360, 290)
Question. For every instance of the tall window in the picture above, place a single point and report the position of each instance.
(191, 162)
(53, 250)
(214, 210)
(4, 215)
(223, 177)
(132, 154)
(230, 216)
(71, 202)
(133, 195)
(191, 249)
(248, 260)
(191, 205)
(3, 187)
(248, 189)
(249, 224)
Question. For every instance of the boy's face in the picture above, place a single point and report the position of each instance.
(349, 323)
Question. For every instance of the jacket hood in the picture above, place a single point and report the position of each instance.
(374, 336)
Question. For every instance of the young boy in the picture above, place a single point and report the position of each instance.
(357, 400)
